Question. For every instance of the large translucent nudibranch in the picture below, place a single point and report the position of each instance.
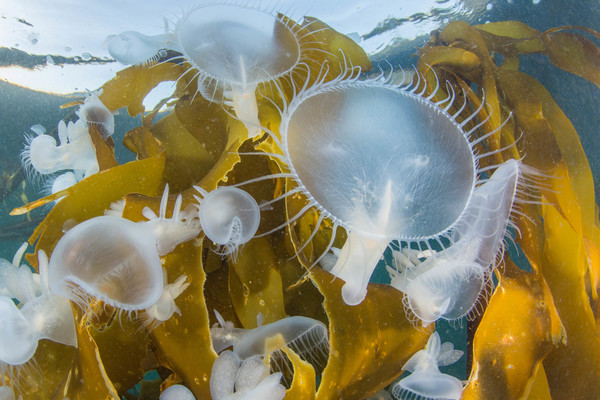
(377, 159)
(230, 48)
(306, 337)
(118, 261)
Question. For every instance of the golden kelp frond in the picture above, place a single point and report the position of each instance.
(571, 52)
(131, 85)
(87, 378)
(369, 342)
(509, 346)
(183, 343)
(304, 385)
(255, 284)
(90, 197)
(565, 267)
(561, 244)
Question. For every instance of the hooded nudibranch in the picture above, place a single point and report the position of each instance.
(426, 381)
(76, 151)
(307, 337)
(94, 112)
(39, 315)
(110, 258)
(117, 260)
(231, 48)
(377, 160)
(448, 284)
(229, 217)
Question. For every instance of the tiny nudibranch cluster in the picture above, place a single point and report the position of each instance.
(75, 154)
(249, 379)
(426, 381)
(231, 49)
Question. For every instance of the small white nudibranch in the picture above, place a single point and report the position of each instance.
(426, 381)
(229, 217)
(169, 232)
(75, 152)
(249, 379)
(94, 112)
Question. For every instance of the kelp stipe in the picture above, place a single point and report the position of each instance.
(374, 159)
(426, 381)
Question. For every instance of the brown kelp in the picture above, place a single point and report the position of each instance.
(516, 354)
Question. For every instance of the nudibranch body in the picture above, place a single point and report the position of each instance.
(448, 284)
(230, 48)
(426, 381)
(75, 151)
(229, 217)
(377, 159)
(94, 112)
